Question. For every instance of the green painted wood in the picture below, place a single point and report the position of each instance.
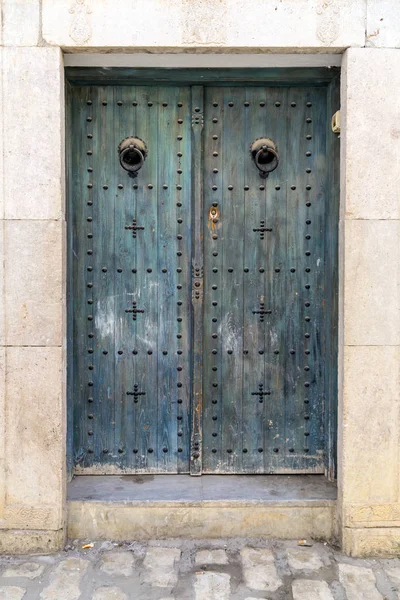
(197, 111)
(131, 378)
(304, 77)
(240, 377)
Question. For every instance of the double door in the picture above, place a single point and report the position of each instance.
(200, 276)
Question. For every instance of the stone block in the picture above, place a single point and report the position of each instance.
(21, 22)
(293, 24)
(371, 133)
(1, 132)
(35, 453)
(11, 592)
(27, 570)
(302, 558)
(117, 563)
(212, 586)
(307, 589)
(211, 557)
(66, 576)
(359, 582)
(160, 566)
(109, 593)
(383, 24)
(33, 133)
(18, 541)
(371, 283)
(370, 431)
(2, 290)
(2, 428)
(33, 280)
(259, 569)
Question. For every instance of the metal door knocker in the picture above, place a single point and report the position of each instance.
(132, 154)
(265, 155)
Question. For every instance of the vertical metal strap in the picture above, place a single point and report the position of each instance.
(197, 279)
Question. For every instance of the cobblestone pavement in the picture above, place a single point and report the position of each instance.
(234, 569)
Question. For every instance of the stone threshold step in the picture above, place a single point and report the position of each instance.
(142, 507)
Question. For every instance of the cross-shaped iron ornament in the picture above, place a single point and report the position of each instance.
(262, 310)
(135, 393)
(261, 392)
(262, 229)
(134, 310)
(134, 228)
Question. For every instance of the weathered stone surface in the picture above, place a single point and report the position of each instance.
(2, 429)
(2, 288)
(33, 280)
(358, 582)
(109, 593)
(117, 563)
(307, 589)
(302, 558)
(20, 22)
(371, 283)
(35, 441)
(30, 570)
(259, 569)
(383, 24)
(212, 586)
(66, 577)
(207, 557)
(160, 566)
(394, 574)
(19, 541)
(118, 522)
(12, 593)
(371, 541)
(371, 185)
(291, 24)
(33, 182)
(371, 411)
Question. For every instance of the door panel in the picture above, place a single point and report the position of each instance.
(263, 290)
(131, 370)
(230, 378)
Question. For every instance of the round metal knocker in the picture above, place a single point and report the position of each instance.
(265, 156)
(132, 154)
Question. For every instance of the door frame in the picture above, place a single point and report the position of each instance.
(328, 78)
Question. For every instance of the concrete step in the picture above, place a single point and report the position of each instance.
(143, 507)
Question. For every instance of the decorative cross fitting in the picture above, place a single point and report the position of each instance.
(261, 392)
(134, 310)
(262, 229)
(134, 228)
(262, 311)
(136, 393)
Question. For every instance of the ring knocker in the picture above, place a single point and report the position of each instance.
(265, 155)
(132, 154)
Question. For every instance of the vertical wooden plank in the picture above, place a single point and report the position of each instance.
(197, 279)
(183, 213)
(145, 286)
(332, 279)
(103, 297)
(214, 197)
(255, 244)
(275, 321)
(233, 352)
(124, 117)
(81, 111)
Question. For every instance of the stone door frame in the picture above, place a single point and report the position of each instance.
(33, 352)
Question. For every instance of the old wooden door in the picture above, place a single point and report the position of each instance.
(202, 312)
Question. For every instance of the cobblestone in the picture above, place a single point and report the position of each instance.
(234, 569)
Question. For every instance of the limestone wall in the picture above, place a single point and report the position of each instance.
(34, 35)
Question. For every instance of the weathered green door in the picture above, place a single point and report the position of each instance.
(202, 319)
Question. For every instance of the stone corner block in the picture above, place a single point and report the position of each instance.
(371, 283)
(383, 24)
(33, 283)
(33, 118)
(371, 170)
(15, 541)
(293, 24)
(35, 439)
(21, 22)
(370, 431)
